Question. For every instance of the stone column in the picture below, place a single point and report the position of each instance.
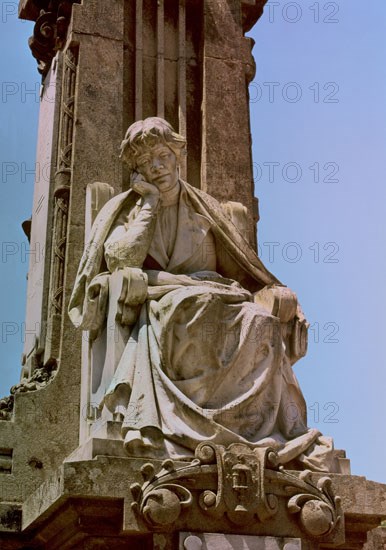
(228, 67)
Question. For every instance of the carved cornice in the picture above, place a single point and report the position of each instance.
(252, 10)
(50, 31)
(53, 16)
(30, 9)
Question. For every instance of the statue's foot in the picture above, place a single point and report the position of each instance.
(147, 443)
(118, 417)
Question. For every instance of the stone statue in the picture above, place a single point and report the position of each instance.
(206, 334)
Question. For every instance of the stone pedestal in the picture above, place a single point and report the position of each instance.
(86, 503)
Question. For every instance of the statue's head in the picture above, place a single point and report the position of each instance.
(144, 135)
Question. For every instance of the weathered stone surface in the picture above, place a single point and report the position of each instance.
(41, 228)
(228, 66)
(218, 541)
(28, 9)
(45, 423)
(252, 11)
(81, 489)
(50, 30)
(376, 539)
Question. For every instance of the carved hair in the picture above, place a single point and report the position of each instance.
(146, 133)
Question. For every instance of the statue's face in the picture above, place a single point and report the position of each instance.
(158, 165)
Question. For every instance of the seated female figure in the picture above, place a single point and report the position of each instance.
(201, 358)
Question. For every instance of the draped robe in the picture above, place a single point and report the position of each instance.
(202, 361)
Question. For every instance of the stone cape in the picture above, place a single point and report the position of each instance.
(177, 385)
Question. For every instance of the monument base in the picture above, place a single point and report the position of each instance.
(116, 502)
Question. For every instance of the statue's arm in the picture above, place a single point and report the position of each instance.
(128, 244)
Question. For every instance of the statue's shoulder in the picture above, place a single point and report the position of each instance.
(201, 196)
(108, 214)
(126, 199)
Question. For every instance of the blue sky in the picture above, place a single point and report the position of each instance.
(323, 208)
(318, 116)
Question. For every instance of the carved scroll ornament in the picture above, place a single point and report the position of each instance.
(241, 485)
(50, 31)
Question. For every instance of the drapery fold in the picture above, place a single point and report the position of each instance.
(202, 360)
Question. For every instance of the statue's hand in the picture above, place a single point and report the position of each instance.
(127, 292)
(142, 187)
(280, 301)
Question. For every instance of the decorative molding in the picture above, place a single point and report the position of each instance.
(61, 204)
(241, 492)
(250, 487)
(63, 180)
(50, 31)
